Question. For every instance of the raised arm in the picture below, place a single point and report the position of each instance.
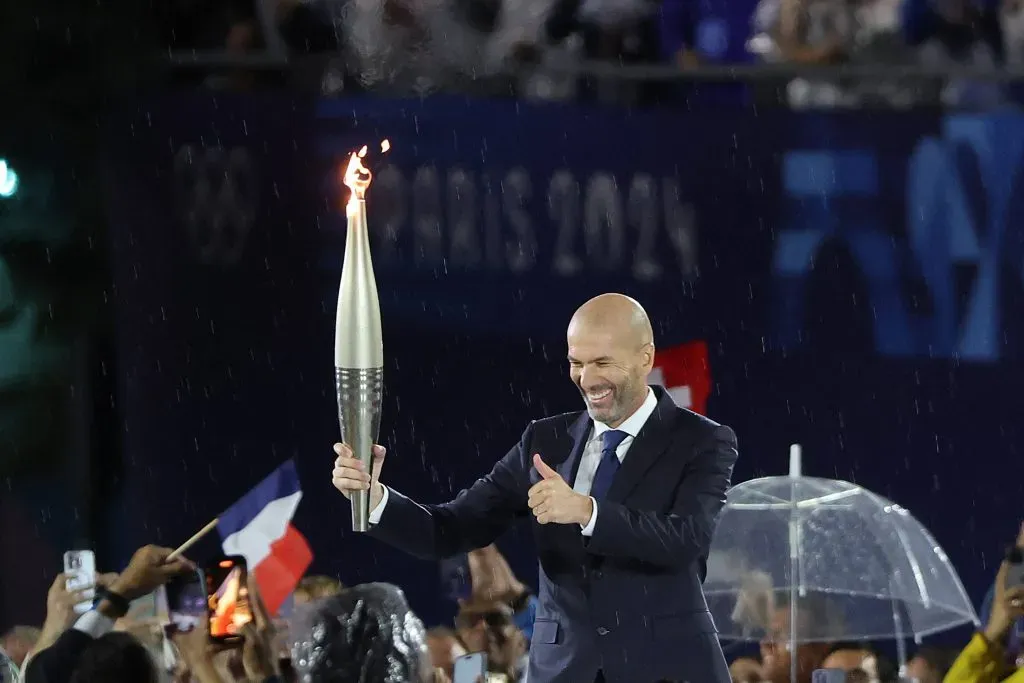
(476, 517)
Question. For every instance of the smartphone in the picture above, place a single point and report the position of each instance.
(80, 573)
(186, 600)
(1015, 567)
(227, 598)
(471, 668)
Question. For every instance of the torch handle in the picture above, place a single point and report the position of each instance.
(360, 393)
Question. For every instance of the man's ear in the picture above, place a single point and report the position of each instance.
(649, 357)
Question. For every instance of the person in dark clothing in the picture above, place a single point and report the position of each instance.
(91, 646)
(115, 658)
(365, 634)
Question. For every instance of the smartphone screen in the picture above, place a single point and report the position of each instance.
(227, 598)
(186, 601)
(471, 668)
(80, 573)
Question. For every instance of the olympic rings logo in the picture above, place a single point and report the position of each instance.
(216, 199)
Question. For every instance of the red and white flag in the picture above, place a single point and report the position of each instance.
(259, 527)
(684, 372)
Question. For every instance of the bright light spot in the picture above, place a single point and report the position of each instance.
(8, 180)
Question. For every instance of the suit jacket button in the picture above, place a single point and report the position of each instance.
(602, 631)
(598, 574)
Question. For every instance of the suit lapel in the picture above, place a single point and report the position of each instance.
(571, 465)
(653, 440)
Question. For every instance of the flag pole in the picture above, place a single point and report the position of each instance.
(195, 539)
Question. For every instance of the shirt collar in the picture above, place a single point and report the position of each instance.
(635, 422)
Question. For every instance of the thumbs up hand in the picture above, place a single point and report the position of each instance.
(553, 501)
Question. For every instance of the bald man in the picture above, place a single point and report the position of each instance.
(623, 499)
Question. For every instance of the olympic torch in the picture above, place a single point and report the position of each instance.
(358, 341)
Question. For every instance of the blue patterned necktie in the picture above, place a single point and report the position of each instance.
(605, 474)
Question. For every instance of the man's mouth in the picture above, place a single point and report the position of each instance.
(598, 396)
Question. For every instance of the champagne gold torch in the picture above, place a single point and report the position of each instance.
(358, 341)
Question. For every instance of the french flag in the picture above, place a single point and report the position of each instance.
(684, 372)
(259, 527)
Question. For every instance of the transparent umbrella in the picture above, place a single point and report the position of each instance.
(857, 565)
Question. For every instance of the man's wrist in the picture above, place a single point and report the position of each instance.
(586, 510)
(377, 495)
(123, 588)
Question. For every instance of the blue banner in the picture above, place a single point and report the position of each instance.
(857, 280)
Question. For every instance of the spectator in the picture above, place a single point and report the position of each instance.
(861, 661)
(148, 569)
(444, 648)
(815, 615)
(492, 580)
(313, 588)
(489, 627)
(115, 657)
(18, 642)
(205, 662)
(365, 634)
(823, 32)
(930, 664)
(623, 31)
(60, 612)
(1015, 638)
(983, 660)
(677, 23)
(1012, 21)
(745, 670)
(958, 32)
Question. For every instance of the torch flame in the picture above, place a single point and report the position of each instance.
(357, 176)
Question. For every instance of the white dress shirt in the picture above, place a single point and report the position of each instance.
(591, 458)
(589, 461)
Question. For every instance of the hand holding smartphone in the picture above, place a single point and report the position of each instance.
(186, 601)
(1015, 568)
(227, 598)
(80, 573)
(471, 668)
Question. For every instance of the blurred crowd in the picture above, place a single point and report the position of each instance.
(330, 633)
(534, 48)
(368, 634)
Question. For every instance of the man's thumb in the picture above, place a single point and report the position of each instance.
(542, 468)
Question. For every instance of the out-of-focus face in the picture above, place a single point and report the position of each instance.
(503, 642)
(745, 670)
(918, 670)
(776, 652)
(609, 369)
(847, 660)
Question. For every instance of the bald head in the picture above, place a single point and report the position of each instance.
(618, 314)
(611, 352)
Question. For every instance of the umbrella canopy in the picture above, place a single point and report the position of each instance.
(873, 570)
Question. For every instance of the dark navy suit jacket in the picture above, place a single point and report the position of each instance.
(628, 600)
